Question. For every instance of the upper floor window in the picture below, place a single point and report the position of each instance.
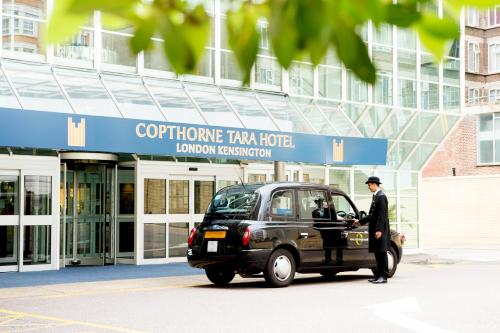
(494, 14)
(489, 138)
(494, 58)
(473, 95)
(494, 95)
(472, 17)
(474, 51)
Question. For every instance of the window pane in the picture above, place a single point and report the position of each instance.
(382, 57)
(78, 47)
(407, 61)
(395, 124)
(360, 177)
(126, 236)
(249, 110)
(132, 97)
(330, 82)
(313, 205)
(156, 58)
(154, 196)
(411, 233)
(315, 176)
(486, 151)
(382, 90)
(205, 67)
(363, 202)
(286, 116)
(36, 245)
(178, 199)
(419, 126)
(341, 179)
(229, 67)
(497, 138)
(312, 113)
(282, 204)
(174, 101)
(419, 157)
(36, 87)
(409, 209)
(406, 38)
(256, 178)
(203, 193)
(451, 71)
(267, 72)
(154, 241)
(357, 90)
(451, 99)
(7, 98)
(301, 79)
(37, 195)
(9, 203)
(399, 153)
(342, 206)
(409, 183)
(8, 245)
(87, 93)
(383, 34)
(116, 50)
(213, 106)
(440, 129)
(341, 122)
(371, 118)
(126, 198)
(430, 96)
(407, 93)
(177, 239)
(428, 68)
(388, 179)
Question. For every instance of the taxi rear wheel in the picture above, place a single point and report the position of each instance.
(219, 276)
(280, 268)
(392, 263)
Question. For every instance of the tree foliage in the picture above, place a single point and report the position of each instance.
(298, 29)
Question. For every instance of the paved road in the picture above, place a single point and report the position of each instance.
(424, 296)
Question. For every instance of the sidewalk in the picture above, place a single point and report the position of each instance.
(452, 256)
(95, 273)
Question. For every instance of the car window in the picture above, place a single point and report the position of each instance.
(343, 208)
(313, 204)
(282, 204)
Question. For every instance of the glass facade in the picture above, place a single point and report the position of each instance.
(414, 104)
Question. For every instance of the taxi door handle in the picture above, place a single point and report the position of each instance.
(304, 235)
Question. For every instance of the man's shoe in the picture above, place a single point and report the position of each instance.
(380, 280)
(373, 279)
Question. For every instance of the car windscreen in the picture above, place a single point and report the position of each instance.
(240, 200)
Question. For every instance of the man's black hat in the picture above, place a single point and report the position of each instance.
(373, 179)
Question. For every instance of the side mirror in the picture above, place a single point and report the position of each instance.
(362, 214)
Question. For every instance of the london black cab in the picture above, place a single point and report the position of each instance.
(281, 228)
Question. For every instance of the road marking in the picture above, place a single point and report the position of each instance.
(393, 312)
(63, 322)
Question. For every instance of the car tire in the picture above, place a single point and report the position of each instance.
(280, 268)
(392, 259)
(219, 277)
(328, 275)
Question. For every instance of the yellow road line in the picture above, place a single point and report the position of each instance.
(11, 318)
(70, 322)
(116, 291)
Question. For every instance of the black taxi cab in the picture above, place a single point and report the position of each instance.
(278, 229)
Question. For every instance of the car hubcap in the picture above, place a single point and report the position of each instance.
(282, 268)
(390, 260)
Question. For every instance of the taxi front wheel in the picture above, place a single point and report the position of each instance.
(280, 268)
(219, 276)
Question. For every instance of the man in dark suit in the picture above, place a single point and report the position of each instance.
(378, 229)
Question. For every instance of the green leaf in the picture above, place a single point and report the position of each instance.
(243, 37)
(60, 17)
(402, 15)
(114, 22)
(282, 31)
(142, 35)
(444, 28)
(108, 6)
(185, 35)
(352, 51)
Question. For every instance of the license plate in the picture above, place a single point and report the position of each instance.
(212, 246)
(219, 234)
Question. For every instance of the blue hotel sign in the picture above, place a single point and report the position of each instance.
(36, 129)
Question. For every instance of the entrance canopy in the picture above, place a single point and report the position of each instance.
(108, 134)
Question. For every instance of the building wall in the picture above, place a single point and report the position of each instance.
(459, 151)
(456, 214)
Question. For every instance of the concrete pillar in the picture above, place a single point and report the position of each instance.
(279, 171)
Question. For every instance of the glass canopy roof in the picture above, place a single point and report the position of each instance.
(413, 135)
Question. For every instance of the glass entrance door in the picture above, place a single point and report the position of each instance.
(89, 224)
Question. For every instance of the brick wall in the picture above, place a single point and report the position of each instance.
(459, 151)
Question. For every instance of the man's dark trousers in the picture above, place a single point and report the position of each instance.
(382, 264)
